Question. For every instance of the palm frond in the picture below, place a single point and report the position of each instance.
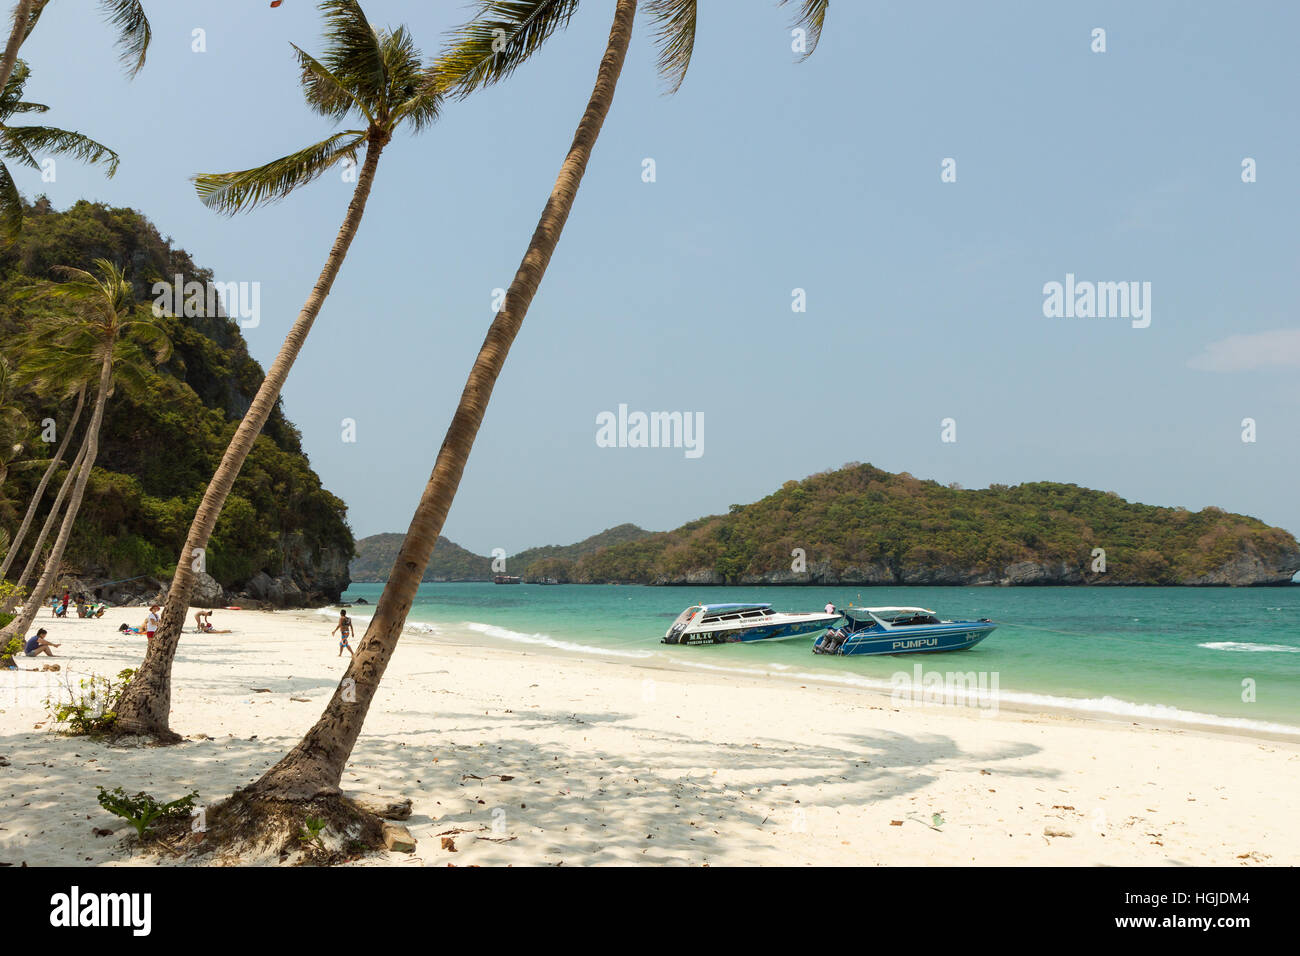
(49, 139)
(493, 44)
(413, 92)
(13, 90)
(48, 368)
(811, 17)
(674, 34)
(231, 192)
(145, 333)
(13, 149)
(325, 92)
(133, 31)
(132, 370)
(423, 106)
(353, 52)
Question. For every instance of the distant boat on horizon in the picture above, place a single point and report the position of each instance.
(507, 579)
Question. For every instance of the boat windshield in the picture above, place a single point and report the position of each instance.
(685, 616)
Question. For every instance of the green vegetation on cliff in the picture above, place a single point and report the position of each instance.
(160, 449)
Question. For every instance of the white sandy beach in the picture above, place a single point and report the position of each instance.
(611, 763)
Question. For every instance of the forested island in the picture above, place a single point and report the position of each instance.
(860, 525)
(282, 538)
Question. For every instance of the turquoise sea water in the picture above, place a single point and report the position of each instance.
(1157, 653)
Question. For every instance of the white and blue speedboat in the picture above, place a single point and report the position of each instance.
(899, 630)
(742, 624)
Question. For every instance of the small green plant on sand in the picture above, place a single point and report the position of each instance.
(142, 810)
(90, 709)
(9, 650)
(310, 834)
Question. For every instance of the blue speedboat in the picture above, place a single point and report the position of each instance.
(742, 623)
(899, 630)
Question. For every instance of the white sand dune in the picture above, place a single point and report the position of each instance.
(618, 763)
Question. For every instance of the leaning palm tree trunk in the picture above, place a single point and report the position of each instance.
(146, 704)
(314, 767)
(22, 14)
(56, 509)
(37, 495)
(36, 600)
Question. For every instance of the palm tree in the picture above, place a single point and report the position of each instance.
(34, 504)
(49, 372)
(313, 769)
(111, 331)
(377, 77)
(126, 16)
(311, 772)
(18, 143)
(34, 558)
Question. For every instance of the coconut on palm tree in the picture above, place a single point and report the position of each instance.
(106, 330)
(20, 144)
(376, 78)
(127, 17)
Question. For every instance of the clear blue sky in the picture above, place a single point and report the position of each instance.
(924, 299)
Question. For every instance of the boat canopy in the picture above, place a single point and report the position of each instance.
(733, 608)
(860, 613)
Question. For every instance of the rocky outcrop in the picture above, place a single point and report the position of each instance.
(312, 571)
(208, 592)
(1040, 572)
(1251, 568)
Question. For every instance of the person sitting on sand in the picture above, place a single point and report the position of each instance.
(37, 644)
(344, 627)
(128, 629)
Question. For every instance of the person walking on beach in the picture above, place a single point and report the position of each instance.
(344, 627)
(37, 644)
(151, 622)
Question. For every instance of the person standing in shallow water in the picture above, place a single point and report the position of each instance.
(344, 627)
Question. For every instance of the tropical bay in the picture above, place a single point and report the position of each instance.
(355, 505)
